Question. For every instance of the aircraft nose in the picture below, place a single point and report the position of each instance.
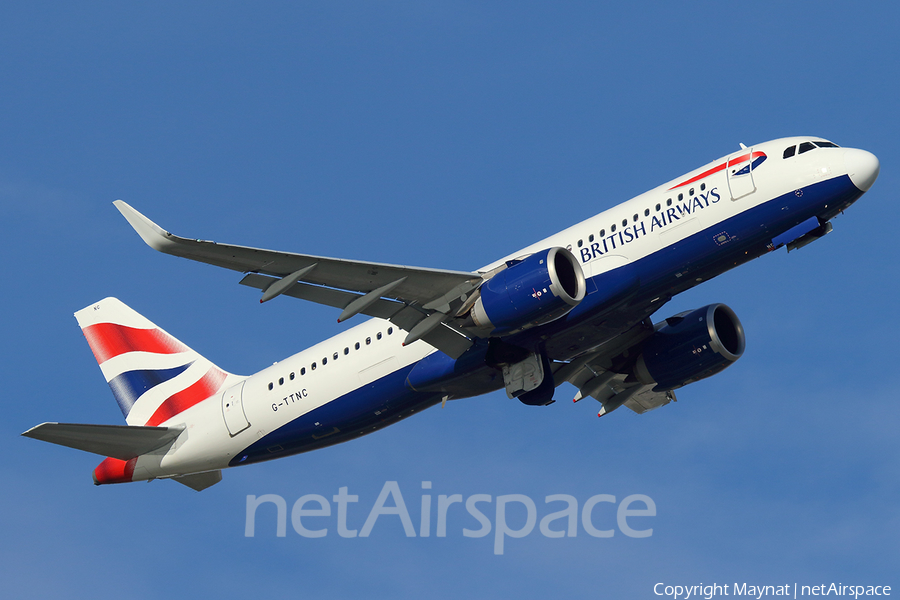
(862, 167)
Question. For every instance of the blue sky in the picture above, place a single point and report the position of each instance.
(442, 135)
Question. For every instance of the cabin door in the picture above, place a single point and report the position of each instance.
(739, 171)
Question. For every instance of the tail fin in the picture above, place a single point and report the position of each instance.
(152, 375)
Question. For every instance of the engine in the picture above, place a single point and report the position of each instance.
(690, 347)
(536, 290)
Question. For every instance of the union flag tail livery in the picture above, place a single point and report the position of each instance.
(575, 307)
(156, 381)
(153, 376)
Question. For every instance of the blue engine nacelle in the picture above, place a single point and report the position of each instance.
(536, 290)
(690, 347)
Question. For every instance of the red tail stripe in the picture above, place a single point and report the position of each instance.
(114, 470)
(108, 340)
(183, 400)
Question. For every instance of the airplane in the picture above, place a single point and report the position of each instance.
(575, 307)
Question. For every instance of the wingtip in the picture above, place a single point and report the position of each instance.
(32, 432)
(152, 234)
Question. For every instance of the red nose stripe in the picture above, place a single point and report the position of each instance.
(734, 161)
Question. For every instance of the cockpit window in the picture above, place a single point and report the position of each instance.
(807, 146)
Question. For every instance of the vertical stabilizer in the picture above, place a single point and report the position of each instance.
(153, 376)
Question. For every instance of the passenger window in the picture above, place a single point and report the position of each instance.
(378, 335)
(790, 151)
(806, 147)
(324, 361)
(613, 228)
(390, 330)
(646, 212)
(702, 186)
(368, 341)
(669, 202)
(313, 366)
(680, 197)
(335, 356)
(346, 351)
(591, 238)
(602, 233)
(292, 376)
(635, 218)
(658, 207)
(356, 346)
(580, 243)
(270, 385)
(691, 192)
(303, 371)
(281, 381)
(624, 222)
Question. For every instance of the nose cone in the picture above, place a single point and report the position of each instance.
(862, 167)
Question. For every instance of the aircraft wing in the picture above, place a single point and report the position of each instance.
(420, 301)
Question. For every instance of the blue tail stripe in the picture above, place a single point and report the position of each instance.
(129, 386)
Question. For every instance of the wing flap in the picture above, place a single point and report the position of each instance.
(447, 340)
(381, 308)
(118, 441)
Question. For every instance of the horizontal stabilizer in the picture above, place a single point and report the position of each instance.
(200, 481)
(118, 441)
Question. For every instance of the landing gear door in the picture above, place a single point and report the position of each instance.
(233, 409)
(739, 171)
